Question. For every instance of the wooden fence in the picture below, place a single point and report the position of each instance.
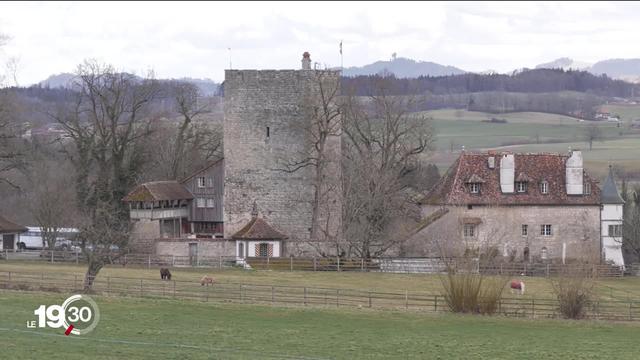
(300, 296)
(393, 265)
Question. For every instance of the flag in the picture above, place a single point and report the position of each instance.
(340, 47)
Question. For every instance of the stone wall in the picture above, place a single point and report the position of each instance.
(265, 126)
(206, 247)
(501, 227)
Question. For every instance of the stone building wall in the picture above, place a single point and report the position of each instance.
(501, 227)
(206, 247)
(265, 126)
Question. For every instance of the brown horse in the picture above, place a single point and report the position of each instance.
(206, 280)
(165, 274)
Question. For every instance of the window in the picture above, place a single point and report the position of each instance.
(201, 182)
(210, 182)
(521, 186)
(587, 188)
(544, 254)
(525, 229)
(615, 230)
(544, 187)
(268, 132)
(545, 230)
(263, 250)
(211, 203)
(201, 202)
(474, 188)
(469, 230)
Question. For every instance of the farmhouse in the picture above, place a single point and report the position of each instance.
(527, 207)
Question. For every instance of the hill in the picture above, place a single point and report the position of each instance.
(403, 68)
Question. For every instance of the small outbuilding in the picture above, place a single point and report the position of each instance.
(258, 238)
(10, 233)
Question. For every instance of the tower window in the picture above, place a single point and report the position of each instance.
(525, 229)
(268, 132)
(615, 230)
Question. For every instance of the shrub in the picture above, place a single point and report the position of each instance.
(574, 290)
(466, 292)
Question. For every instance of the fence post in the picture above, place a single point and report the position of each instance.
(305, 296)
(361, 264)
(174, 289)
(268, 262)
(533, 308)
(76, 256)
(630, 316)
(338, 263)
(314, 263)
(41, 279)
(6, 254)
(9, 279)
(272, 295)
(369, 298)
(52, 256)
(406, 299)
(75, 282)
(525, 269)
(435, 304)
(149, 262)
(220, 262)
(241, 295)
(290, 262)
(140, 287)
(547, 270)
(108, 285)
(337, 297)
(173, 260)
(125, 260)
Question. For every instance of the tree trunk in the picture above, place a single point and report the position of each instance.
(92, 272)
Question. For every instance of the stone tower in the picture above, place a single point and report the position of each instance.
(266, 126)
(611, 217)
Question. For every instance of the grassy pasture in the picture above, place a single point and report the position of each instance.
(537, 132)
(167, 329)
(607, 288)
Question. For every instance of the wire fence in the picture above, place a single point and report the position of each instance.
(392, 265)
(619, 310)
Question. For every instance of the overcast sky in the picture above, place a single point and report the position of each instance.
(192, 39)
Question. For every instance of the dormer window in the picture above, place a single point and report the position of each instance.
(544, 187)
(201, 182)
(521, 186)
(474, 184)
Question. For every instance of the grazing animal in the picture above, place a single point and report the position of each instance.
(517, 286)
(165, 274)
(206, 280)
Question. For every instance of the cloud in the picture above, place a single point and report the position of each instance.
(191, 39)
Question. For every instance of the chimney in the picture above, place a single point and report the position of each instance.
(306, 61)
(574, 173)
(507, 173)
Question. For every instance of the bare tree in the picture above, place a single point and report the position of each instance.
(323, 129)
(631, 224)
(592, 133)
(50, 200)
(382, 147)
(105, 124)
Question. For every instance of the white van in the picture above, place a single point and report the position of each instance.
(32, 239)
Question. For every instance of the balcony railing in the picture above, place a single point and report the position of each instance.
(153, 214)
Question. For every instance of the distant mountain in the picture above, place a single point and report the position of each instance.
(618, 68)
(208, 87)
(63, 80)
(403, 68)
(565, 63)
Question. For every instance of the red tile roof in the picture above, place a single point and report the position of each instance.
(159, 190)
(258, 229)
(453, 189)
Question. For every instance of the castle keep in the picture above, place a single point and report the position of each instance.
(266, 126)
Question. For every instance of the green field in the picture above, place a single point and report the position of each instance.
(607, 288)
(165, 329)
(537, 132)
